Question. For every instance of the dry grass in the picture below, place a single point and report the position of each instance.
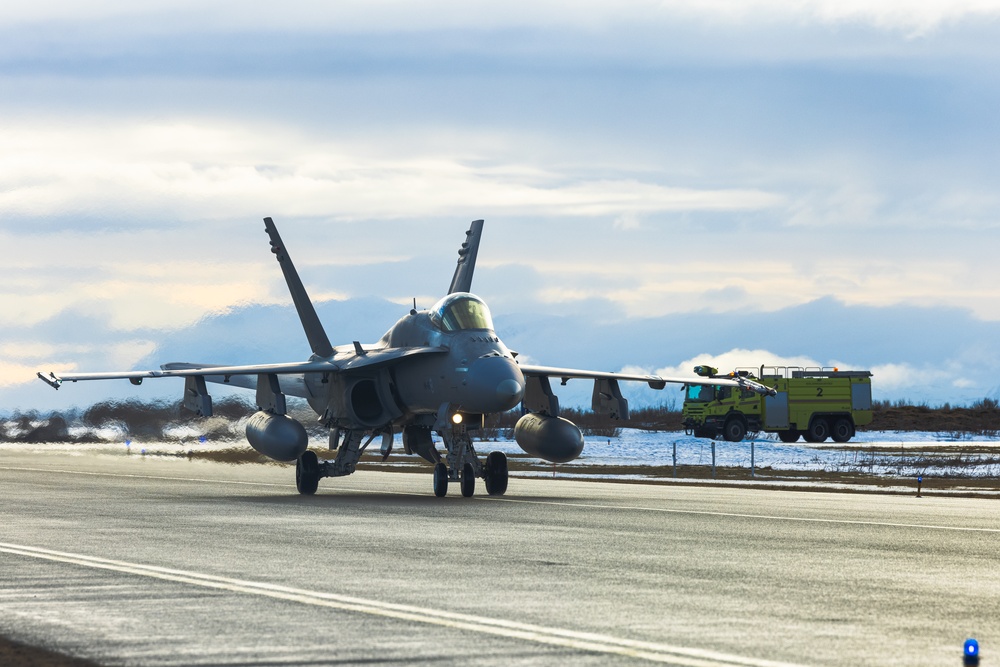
(852, 476)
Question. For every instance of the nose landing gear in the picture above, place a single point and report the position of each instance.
(462, 457)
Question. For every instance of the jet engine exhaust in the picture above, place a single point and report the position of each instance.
(551, 438)
(277, 436)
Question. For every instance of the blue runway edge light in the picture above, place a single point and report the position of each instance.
(971, 652)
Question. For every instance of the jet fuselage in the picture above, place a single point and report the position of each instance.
(474, 372)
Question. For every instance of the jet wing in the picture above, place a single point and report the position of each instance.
(191, 370)
(353, 362)
(654, 381)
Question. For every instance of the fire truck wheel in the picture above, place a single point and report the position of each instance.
(819, 430)
(842, 430)
(734, 430)
(788, 436)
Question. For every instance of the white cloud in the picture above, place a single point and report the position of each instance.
(627, 222)
(144, 280)
(850, 205)
(899, 377)
(743, 359)
(209, 172)
(934, 385)
(13, 373)
(916, 17)
(26, 349)
(21, 361)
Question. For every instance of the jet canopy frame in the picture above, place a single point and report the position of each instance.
(461, 311)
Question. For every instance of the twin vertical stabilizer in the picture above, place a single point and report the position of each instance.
(318, 340)
(462, 280)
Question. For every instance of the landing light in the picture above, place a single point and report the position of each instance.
(456, 418)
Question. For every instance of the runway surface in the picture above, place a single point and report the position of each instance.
(150, 561)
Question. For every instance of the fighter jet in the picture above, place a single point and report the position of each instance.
(437, 371)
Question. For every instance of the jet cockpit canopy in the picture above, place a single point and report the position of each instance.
(461, 311)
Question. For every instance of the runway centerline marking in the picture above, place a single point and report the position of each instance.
(554, 503)
(583, 641)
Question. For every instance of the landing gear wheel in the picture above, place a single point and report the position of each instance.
(819, 430)
(440, 480)
(468, 480)
(496, 473)
(842, 430)
(788, 436)
(307, 473)
(734, 430)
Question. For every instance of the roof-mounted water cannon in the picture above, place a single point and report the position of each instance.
(744, 379)
(746, 383)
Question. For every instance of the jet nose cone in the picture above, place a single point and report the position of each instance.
(510, 391)
(493, 384)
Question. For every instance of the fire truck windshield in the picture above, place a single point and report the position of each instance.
(701, 393)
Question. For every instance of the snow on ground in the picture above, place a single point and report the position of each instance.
(872, 452)
(919, 453)
(902, 454)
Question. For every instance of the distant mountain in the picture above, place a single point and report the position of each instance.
(932, 355)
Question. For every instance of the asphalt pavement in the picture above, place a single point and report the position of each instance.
(131, 560)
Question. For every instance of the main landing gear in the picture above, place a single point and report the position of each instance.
(309, 469)
(307, 473)
(494, 474)
(463, 465)
(496, 479)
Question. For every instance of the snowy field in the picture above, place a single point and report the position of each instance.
(880, 453)
(899, 454)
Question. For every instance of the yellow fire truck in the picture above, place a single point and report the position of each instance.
(815, 403)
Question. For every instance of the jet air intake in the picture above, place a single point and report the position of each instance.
(551, 438)
(277, 436)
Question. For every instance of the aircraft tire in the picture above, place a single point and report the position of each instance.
(468, 482)
(496, 473)
(788, 436)
(842, 430)
(440, 480)
(307, 473)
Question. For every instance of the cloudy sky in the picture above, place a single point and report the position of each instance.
(756, 181)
